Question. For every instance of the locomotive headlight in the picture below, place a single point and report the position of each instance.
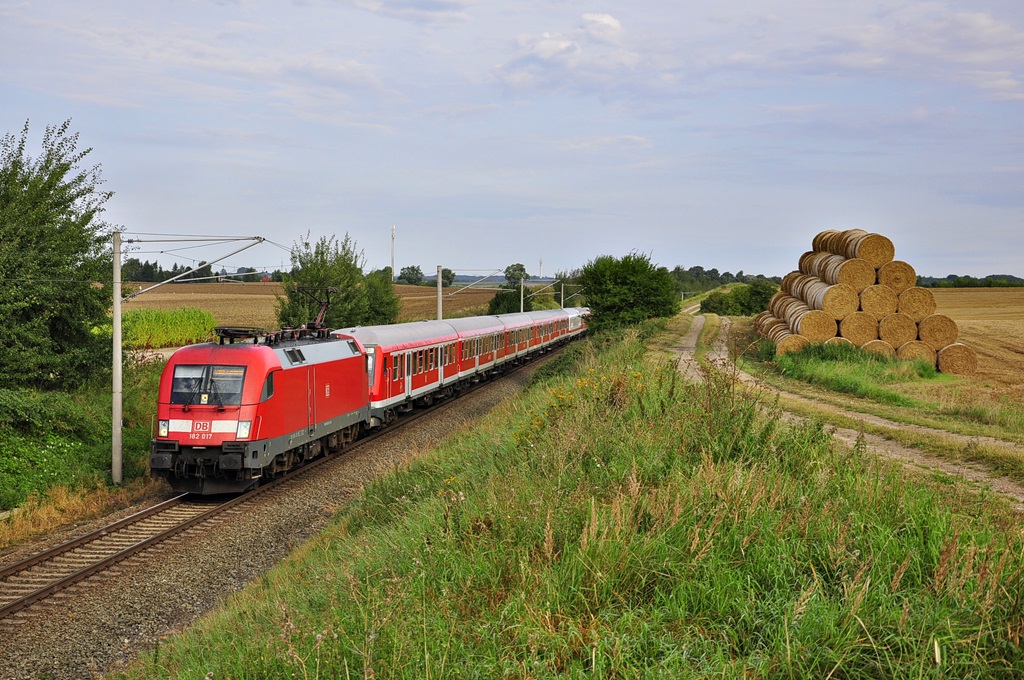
(163, 428)
(243, 429)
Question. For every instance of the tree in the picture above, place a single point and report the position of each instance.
(412, 275)
(53, 250)
(204, 271)
(507, 301)
(567, 284)
(514, 273)
(627, 290)
(249, 275)
(326, 263)
(382, 302)
(447, 277)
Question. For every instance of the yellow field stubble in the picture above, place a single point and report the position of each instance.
(255, 304)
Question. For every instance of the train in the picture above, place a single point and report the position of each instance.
(250, 406)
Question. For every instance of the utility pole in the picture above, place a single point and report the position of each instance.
(562, 298)
(522, 285)
(117, 411)
(394, 275)
(440, 315)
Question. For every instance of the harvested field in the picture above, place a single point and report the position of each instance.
(255, 304)
(991, 320)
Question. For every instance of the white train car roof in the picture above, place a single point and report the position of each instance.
(401, 335)
(476, 325)
(548, 314)
(516, 320)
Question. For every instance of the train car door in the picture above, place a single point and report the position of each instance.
(408, 373)
(310, 400)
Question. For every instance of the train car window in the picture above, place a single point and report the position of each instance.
(268, 388)
(431, 358)
(371, 362)
(207, 384)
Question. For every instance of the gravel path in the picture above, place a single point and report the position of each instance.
(107, 621)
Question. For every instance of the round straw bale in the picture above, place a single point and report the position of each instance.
(777, 330)
(838, 301)
(958, 359)
(874, 248)
(813, 324)
(804, 263)
(915, 350)
(791, 343)
(879, 347)
(788, 281)
(813, 263)
(761, 320)
(897, 329)
(846, 241)
(898, 275)
(917, 303)
(938, 330)
(775, 299)
(838, 340)
(879, 301)
(822, 239)
(859, 328)
(838, 269)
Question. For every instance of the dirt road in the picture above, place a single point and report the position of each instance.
(914, 458)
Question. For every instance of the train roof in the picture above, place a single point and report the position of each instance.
(477, 325)
(400, 334)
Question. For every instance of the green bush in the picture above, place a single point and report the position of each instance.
(60, 438)
(744, 300)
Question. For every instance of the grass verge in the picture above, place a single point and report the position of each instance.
(617, 522)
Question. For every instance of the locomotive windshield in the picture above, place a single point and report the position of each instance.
(207, 385)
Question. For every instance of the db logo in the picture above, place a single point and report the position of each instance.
(201, 426)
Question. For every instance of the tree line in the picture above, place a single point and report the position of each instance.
(133, 269)
(957, 281)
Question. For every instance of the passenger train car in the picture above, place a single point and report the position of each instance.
(230, 414)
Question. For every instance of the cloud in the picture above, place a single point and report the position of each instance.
(592, 58)
(603, 27)
(619, 144)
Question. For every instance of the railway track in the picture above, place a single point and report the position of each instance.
(43, 575)
(40, 577)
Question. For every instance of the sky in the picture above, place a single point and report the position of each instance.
(720, 134)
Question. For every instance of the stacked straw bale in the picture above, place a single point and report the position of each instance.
(849, 288)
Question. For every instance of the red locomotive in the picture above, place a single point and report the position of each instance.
(232, 413)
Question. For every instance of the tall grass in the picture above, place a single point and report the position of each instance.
(153, 328)
(851, 370)
(618, 522)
